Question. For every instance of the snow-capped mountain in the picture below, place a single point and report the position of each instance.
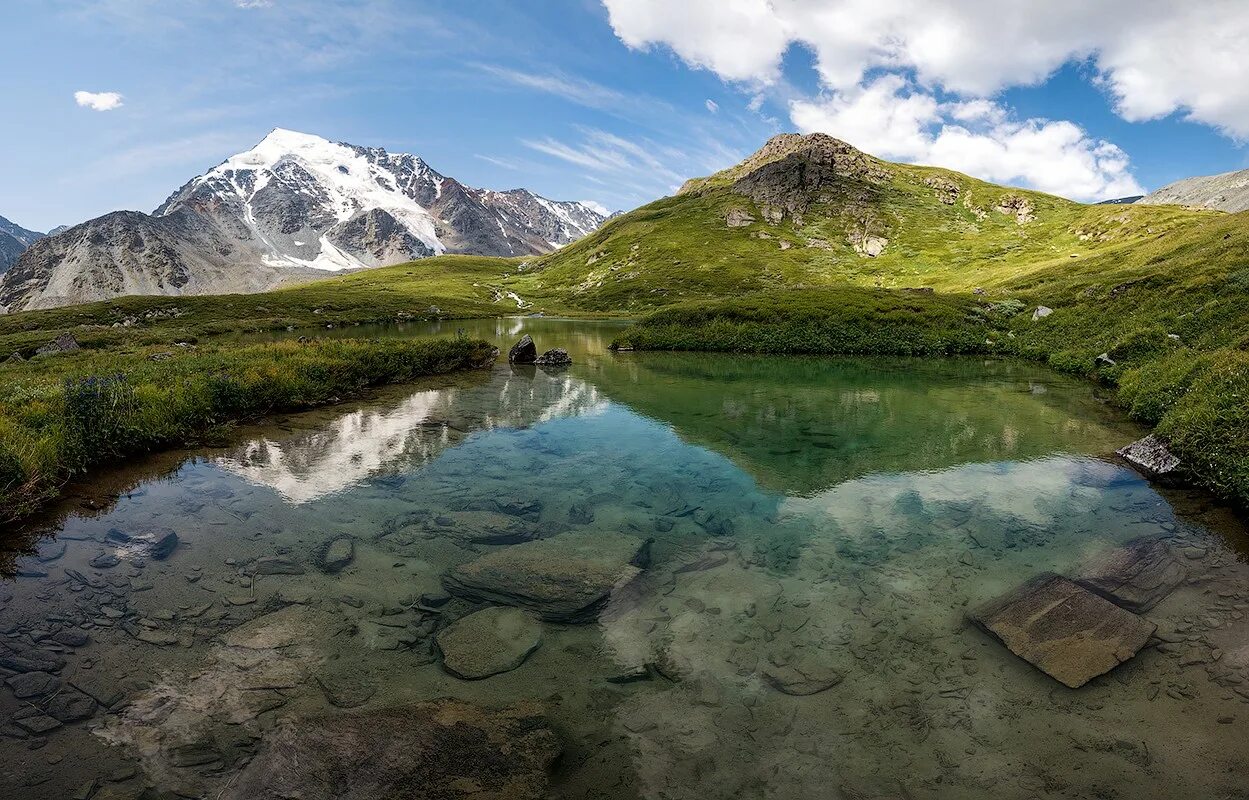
(293, 205)
(14, 239)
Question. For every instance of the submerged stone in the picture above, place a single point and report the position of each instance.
(1063, 629)
(489, 642)
(1136, 576)
(33, 684)
(445, 749)
(567, 578)
(335, 554)
(278, 565)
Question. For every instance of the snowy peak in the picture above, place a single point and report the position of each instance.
(310, 202)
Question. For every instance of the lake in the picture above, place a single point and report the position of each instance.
(789, 551)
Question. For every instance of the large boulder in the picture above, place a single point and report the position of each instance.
(1064, 630)
(523, 352)
(567, 578)
(440, 750)
(1152, 457)
(488, 642)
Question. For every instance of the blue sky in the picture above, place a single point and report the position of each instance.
(614, 101)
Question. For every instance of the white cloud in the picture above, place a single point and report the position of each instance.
(712, 106)
(98, 101)
(253, 3)
(1154, 57)
(890, 118)
(596, 206)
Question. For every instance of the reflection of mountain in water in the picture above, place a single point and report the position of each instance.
(801, 425)
(404, 435)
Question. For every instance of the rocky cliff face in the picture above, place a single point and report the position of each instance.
(289, 208)
(14, 239)
(1226, 192)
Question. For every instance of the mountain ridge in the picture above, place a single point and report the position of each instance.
(290, 208)
(1226, 191)
(14, 239)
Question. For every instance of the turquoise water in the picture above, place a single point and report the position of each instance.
(830, 519)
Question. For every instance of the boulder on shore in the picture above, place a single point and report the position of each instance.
(523, 352)
(1152, 457)
(442, 750)
(1063, 629)
(555, 357)
(567, 578)
(489, 642)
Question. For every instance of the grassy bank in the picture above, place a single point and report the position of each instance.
(1179, 356)
(846, 321)
(60, 415)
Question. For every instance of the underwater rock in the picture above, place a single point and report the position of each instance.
(489, 642)
(335, 554)
(278, 565)
(580, 514)
(1063, 629)
(346, 691)
(162, 544)
(1151, 456)
(523, 352)
(70, 706)
(567, 578)
(33, 684)
(1136, 576)
(445, 749)
(555, 357)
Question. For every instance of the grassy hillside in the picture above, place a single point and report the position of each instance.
(448, 286)
(938, 229)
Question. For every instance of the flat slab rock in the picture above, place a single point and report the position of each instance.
(489, 642)
(1063, 629)
(1136, 576)
(1151, 456)
(440, 750)
(567, 578)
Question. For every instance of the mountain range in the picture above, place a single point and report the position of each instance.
(291, 208)
(1228, 191)
(14, 239)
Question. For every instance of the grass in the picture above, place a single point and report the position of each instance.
(61, 415)
(845, 320)
(435, 288)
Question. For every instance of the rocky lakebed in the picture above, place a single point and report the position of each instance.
(637, 576)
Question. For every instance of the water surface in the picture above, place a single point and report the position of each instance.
(825, 515)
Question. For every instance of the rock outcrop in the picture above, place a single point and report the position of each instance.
(1228, 191)
(1136, 576)
(555, 357)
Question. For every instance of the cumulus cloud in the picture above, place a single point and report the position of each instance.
(98, 101)
(890, 118)
(1153, 58)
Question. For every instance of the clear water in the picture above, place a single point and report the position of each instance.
(829, 515)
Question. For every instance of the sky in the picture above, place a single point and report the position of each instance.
(114, 104)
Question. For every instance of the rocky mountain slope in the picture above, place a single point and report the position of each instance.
(1226, 192)
(292, 207)
(809, 211)
(14, 239)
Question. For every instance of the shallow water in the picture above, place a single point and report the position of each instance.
(837, 517)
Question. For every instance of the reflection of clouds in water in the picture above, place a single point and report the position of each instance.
(343, 452)
(368, 442)
(1034, 492)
